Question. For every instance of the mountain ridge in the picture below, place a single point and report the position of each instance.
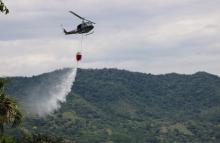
(111, 105)
(116, 69)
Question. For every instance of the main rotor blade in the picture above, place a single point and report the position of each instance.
(89, 21)
(77, 15)
(81, 17)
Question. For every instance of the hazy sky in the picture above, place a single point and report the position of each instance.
(151, 36)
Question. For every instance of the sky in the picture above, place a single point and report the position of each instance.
(150, 36)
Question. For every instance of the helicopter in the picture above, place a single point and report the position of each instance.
(85, 27)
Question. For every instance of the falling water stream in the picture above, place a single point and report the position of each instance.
(46, 97)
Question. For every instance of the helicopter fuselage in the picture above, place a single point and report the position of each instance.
(84, 28)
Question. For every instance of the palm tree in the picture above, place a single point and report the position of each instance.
(9, 111)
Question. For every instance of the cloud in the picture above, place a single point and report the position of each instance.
(144, 35)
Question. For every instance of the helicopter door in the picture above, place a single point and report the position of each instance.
(79, 27)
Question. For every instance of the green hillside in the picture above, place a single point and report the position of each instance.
(118, 106)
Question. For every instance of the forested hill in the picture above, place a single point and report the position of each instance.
(118, 106)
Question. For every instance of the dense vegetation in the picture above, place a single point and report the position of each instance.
(9, 113)
(117, 106)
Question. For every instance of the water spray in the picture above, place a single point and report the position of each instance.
(47, 96)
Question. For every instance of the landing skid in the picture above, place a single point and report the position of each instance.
(90, 33)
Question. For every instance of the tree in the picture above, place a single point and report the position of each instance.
(9, 111)
(3, 8)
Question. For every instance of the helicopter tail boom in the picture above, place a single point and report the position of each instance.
(64, 30)
(70, 32)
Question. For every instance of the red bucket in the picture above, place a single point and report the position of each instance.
(78, 56)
